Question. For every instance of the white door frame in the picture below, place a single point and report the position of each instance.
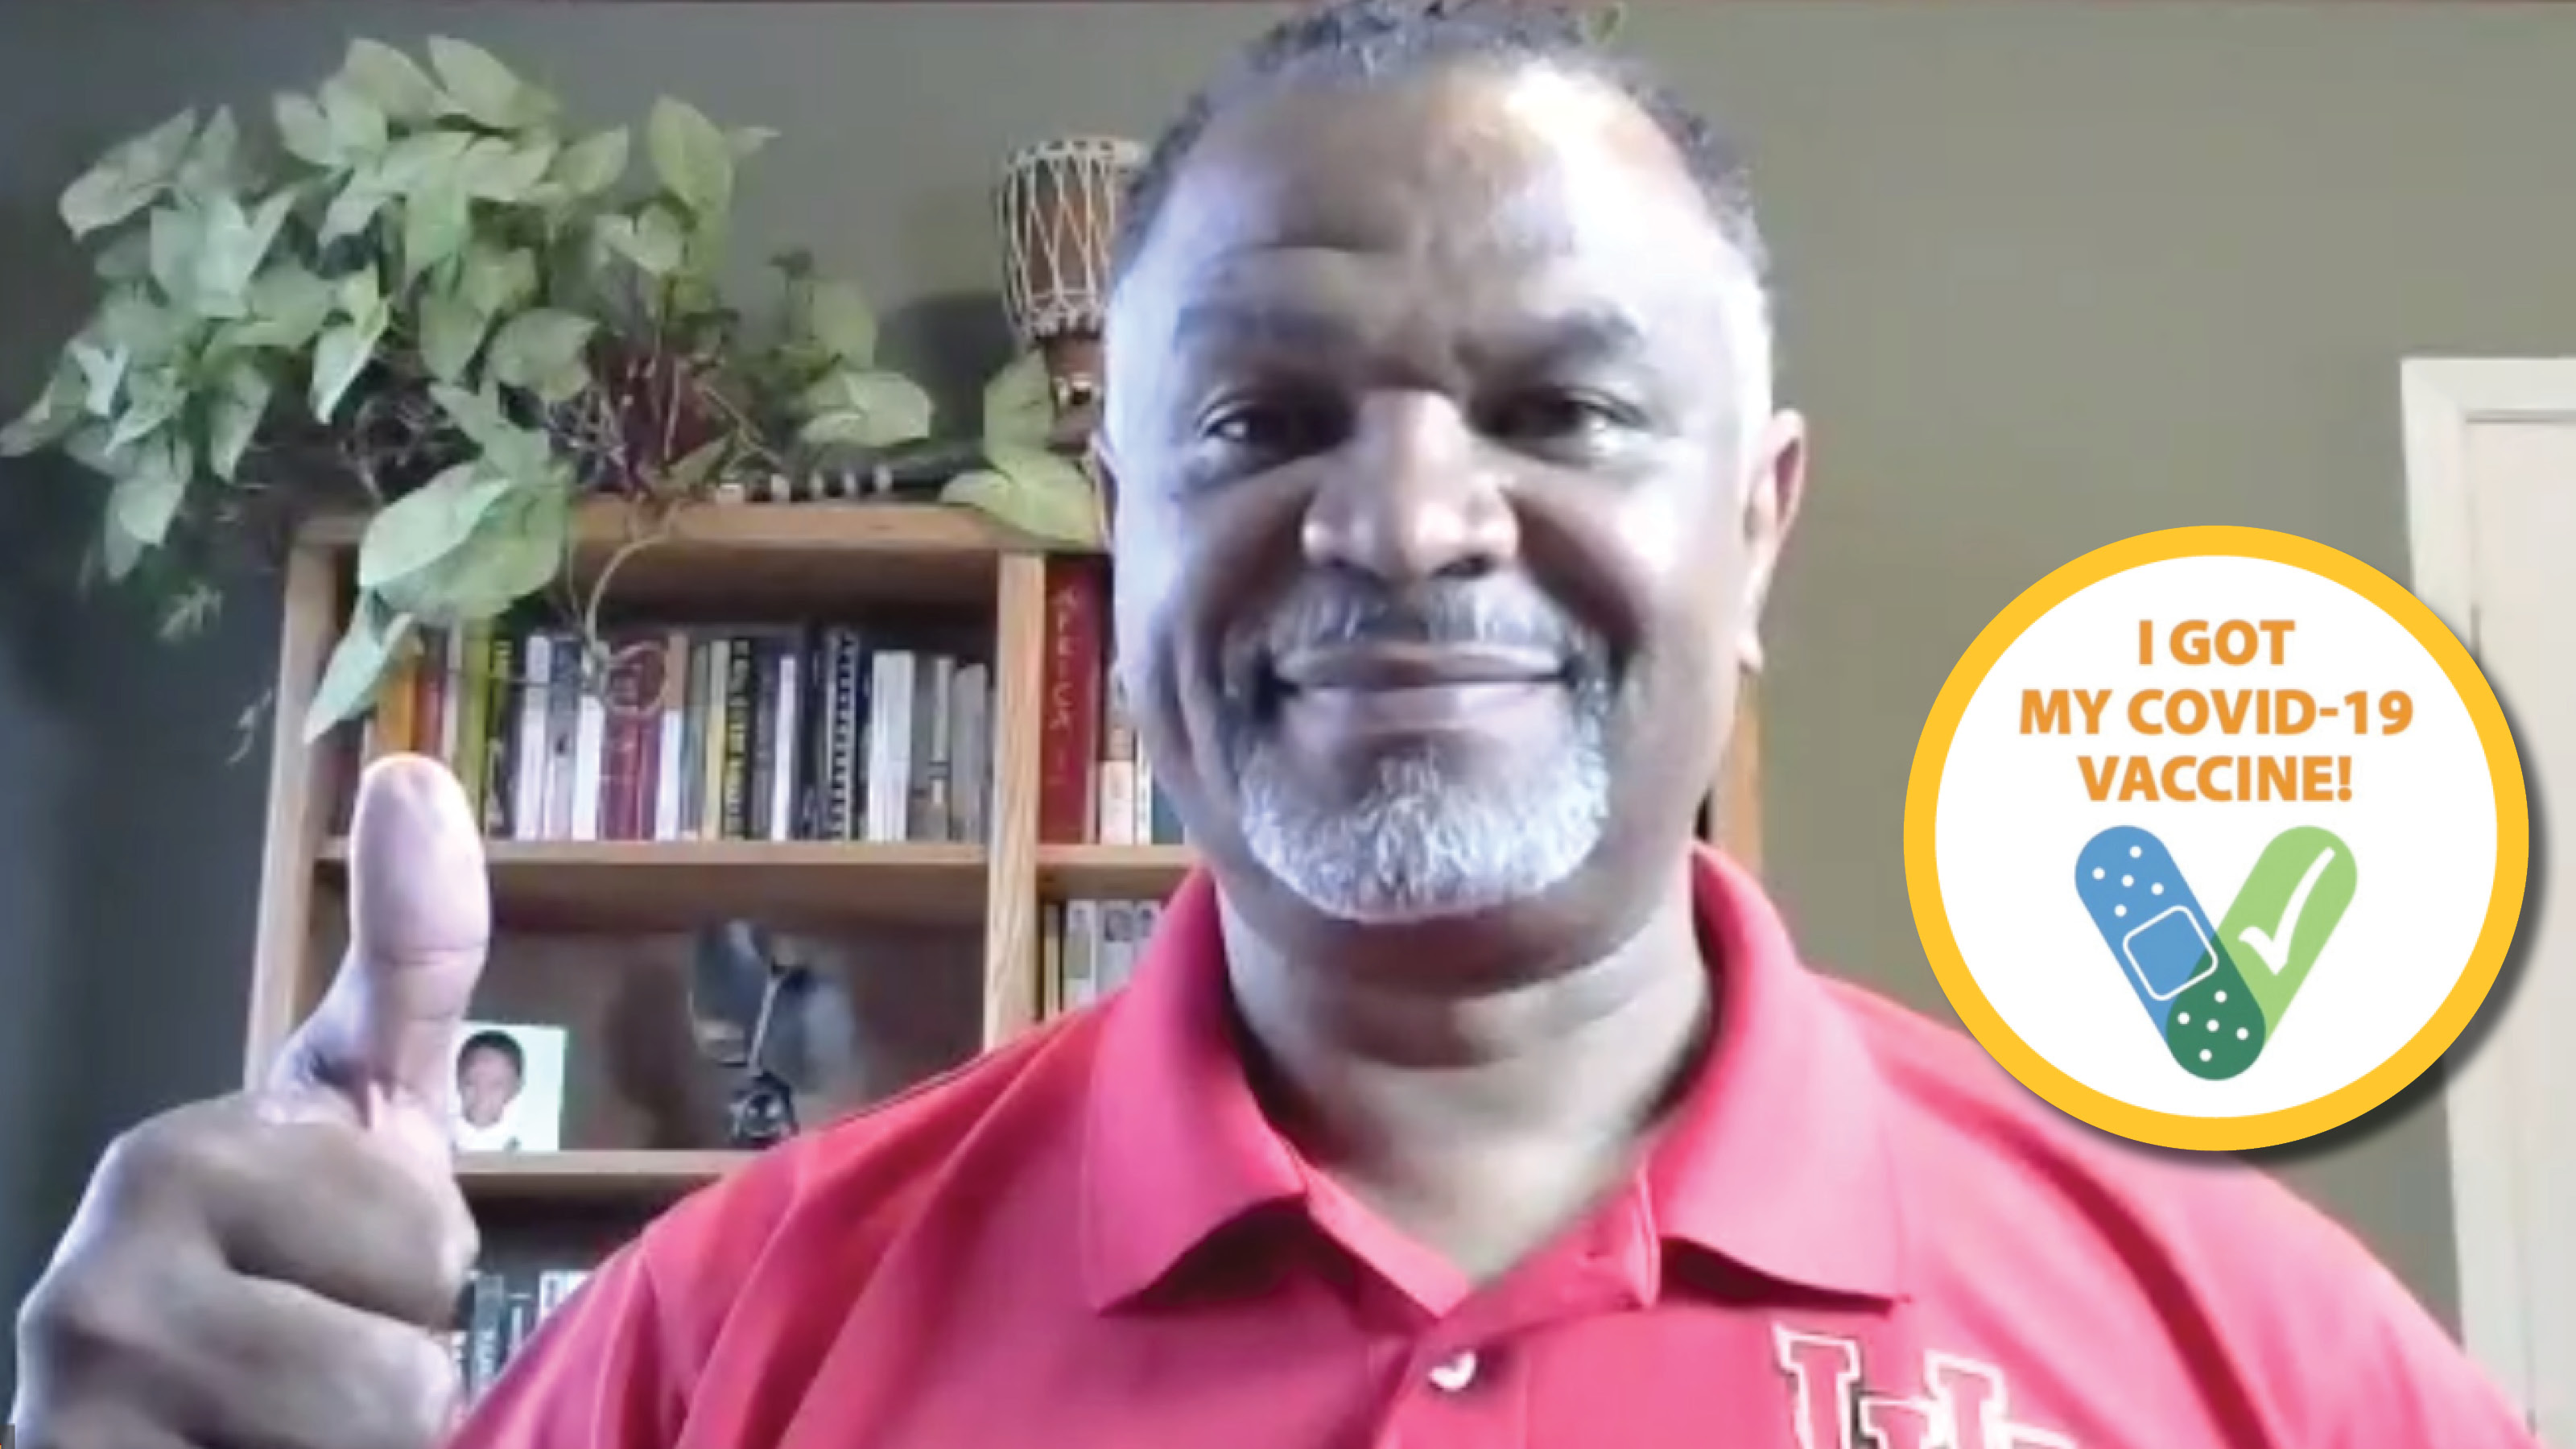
(2506, 1314)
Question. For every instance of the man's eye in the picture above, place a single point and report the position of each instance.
(1554, 416)
(1270, 428)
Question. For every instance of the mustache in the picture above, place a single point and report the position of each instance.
(1338, 612)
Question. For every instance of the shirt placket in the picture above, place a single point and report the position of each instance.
(1466, 1381)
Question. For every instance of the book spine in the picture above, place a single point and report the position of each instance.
(528, 769)
(671, 741)
(1069, 732)
(840, 746)
(502, 709)
(563, 726)
(1116, 824)
(470, 749)
(741, 686)
(716, 758)
(820, 694)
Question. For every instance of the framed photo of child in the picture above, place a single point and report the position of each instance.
(509, 1088)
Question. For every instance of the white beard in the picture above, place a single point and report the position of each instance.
(1421, 843)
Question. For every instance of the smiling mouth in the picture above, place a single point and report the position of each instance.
(1408, 668)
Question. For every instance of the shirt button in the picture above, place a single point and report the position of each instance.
(1456, 1374)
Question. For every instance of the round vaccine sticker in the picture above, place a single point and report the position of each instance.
(2216, 838)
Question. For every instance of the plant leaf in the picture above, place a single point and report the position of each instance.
(418, 160)
(304, 130)
(866, 409)
(1603, 23)
(1040, 494)
(231, 245)
(87, 446)
(427, 524)
(357, 127)
(483, 89)
(692, 473)
(50, 418)
(492, 169)
(341, 354)
(362, 298)
(189, 613)
(234, 413)
(367, 644)
(594, 164)
(103, 370)
(128, 178)
(177, 233)
(351, 211)
(691, 156)
(118, 551)
(126, 259)
(651, 239)
(496, 281)
(146, 499)
(839, 317)
(539, 348)
(213, 166)
(391, 81)
(522, 455)
(1019, 403)
(152, 399)
(515, 549)
(451, 332)
(288, 305)
(436, 220)
(146, 331)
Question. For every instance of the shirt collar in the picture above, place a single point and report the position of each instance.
(1776, 1160)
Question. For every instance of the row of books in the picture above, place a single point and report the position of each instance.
(773, 732)
(1088, 948)
(498, 1313)
(1095, 784)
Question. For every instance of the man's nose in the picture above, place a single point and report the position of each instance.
(1414, 497)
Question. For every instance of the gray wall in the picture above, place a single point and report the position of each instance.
(2055, 274)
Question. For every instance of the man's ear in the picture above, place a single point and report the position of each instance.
(1774, 486)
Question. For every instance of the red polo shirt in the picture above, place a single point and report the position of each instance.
(1855, 1231)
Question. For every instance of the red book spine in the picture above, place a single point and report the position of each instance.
(1069, 735)
(643, 795)
(632, 686)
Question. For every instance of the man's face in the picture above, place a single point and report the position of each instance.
(1435, 548)
(485, 1083)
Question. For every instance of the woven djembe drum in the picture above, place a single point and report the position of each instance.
(1057, 207)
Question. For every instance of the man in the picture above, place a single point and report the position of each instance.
(1460, 1101)
(490, 1069)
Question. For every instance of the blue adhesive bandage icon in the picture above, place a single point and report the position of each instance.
(2173, 956)
(2147, 916)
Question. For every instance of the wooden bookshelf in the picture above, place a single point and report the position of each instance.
(593, 933)
(580, 1176)
(650, 885)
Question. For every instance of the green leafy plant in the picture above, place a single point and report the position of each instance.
(424, 296)
(1021, 480)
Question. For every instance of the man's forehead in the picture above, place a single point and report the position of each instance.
(1465, 165)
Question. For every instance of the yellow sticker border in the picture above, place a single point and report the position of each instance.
(2287, 1124)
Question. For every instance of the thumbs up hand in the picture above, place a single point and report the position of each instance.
(279, 1267)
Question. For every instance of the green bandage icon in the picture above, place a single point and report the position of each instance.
(2216, 995)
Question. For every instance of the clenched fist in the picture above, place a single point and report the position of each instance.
(276, 1269)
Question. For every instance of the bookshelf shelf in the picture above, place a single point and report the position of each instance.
(1111, 872)
(623, 885)
(766, 557)
(641, 1177)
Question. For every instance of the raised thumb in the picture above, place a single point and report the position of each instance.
(420, 923)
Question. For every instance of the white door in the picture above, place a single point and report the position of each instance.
(2491, 483)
